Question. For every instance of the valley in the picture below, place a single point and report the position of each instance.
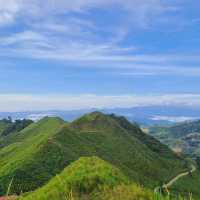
(182, 137)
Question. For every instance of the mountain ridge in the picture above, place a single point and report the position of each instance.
(88, 178)
(53, 147)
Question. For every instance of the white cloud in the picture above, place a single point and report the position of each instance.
(38, 8)
(81, 41)
(36, 117)
(42, 45)
(140, 11)
(35, 45)
(21, 38)
(23, 102)
(173, 118)
(157, 70)
(9, 10)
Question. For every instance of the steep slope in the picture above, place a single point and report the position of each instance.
(188, 185)
(9, 128)
(16, 126)
(151, 142)
(20, 151)
(44, 149)
(126, 146)
(4, 123)
(88, 178)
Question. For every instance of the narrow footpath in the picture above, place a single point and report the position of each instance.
(172, 181)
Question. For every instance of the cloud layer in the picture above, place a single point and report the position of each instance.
(96, 34)
(64, 30)
(17, 102)
(174, 119)
(67, 31)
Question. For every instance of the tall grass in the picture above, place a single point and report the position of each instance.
(9, 187)
(120, 192)
(159, 196)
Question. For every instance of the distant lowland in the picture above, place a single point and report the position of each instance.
(181, 137)
(144, 115)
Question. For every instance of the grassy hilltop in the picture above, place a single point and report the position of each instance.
(89, 178)
(20, 153)
(33, 156)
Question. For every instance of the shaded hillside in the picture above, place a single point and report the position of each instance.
(16, 126)
(9, 129)
(4, 123)
(45, 148)
(148, 140)
(89, 178)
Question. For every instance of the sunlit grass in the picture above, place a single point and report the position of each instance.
(91, 178)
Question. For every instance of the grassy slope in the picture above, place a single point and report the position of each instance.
(148, 140)
(16, 126)
(124, 145)
(9, 130)
(89, 178)
(3, 125)
(188, 184)
(40, 151)
(21, 150)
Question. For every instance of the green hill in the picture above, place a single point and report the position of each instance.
(20, 152)
(89, 178)
(9, 128)
(36, 154)
(16, 126)
(4, 123)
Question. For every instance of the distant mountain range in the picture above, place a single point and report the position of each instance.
(149, 115)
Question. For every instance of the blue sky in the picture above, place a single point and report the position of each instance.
(98, 53)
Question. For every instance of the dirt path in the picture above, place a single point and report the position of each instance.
(172, 181)
(8, 198)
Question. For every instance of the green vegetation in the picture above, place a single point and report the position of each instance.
(20, 154)
(188, 184)
(9, 128)
(198, 163)
(33, 156)
(89, 178)
(16, 126)
(93, 179)
(114, 139)
(182, 137)
(4, 123)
